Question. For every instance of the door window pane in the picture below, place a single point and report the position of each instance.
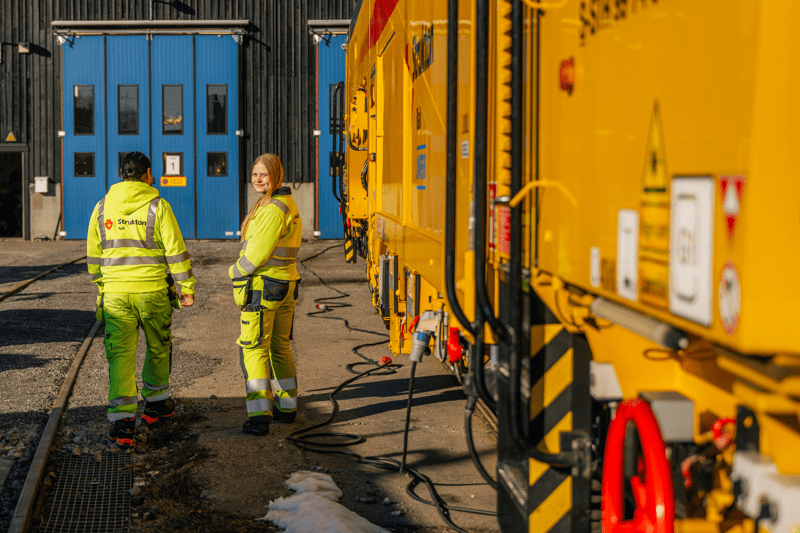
(128, 104)
(217, 163)
(84, 164)
(217, 107)
(172, 109)
(84, 109)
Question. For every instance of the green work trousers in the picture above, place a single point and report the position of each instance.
(124, 314)
(264, 348)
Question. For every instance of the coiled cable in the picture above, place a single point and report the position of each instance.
(303, 439)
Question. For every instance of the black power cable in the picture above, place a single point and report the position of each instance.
(307, 441)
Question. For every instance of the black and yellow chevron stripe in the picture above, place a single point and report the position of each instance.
(349, 253)
(552, 364)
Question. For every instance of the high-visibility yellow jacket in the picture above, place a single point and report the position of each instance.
(272, 240)
(133, 238)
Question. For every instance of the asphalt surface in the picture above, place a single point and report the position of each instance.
(237, 475)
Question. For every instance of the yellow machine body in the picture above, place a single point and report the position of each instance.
(693, 95)
(396, 74)
(657, 175)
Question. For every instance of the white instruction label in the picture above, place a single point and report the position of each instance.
(594, 266)
(627, 253)
(690, 255)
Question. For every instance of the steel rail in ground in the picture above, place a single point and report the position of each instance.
(22, 513)
(40, 276)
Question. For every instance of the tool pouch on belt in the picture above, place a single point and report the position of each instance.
(252, 327)
(241, 287)
(274, 291)
(172, 293)
(98, 312)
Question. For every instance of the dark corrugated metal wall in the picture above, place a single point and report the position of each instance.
(278, 71)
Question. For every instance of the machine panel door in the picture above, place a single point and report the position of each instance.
(83, 100)
(217, 112)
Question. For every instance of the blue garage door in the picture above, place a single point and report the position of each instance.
(173, 126)
(128, 100)
(83, 105)
(174, 98)
(217, 112)
(331, 71)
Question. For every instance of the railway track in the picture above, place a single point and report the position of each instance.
(42, 320)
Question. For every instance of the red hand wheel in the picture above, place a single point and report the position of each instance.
(655, 497)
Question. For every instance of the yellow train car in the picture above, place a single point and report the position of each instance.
(587, 209)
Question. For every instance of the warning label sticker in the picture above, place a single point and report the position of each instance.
(731, 188)
(654, 218)
(499, 223)
(173, 181)
(730, 298)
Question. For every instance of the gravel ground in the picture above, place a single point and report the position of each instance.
(41, 330)
(196, 472)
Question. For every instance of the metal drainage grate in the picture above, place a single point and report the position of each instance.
(92, 496)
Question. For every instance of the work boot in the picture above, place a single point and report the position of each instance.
(122, 432)
(155, 410)
(257, 425)
(287, 417)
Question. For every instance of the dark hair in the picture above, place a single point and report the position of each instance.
(134, 166)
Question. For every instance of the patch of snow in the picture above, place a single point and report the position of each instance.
(315, 508)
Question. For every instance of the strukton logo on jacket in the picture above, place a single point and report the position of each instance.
(123, 222)
(109, 223)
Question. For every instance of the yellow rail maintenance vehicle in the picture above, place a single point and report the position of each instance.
(588, 210)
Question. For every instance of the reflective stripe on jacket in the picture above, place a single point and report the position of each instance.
(272, 240)
(133, 239)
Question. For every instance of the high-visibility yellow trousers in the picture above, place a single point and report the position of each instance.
(123, 315)
(265, 353)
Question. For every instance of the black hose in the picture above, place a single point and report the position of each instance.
(470, 409)
(515, 245)
(305, 441)
(337, 149)
(516, 411)
(479, 198)
(479, 168)
(408, 416)
(450, 186)
(364, 171)
(354, 147)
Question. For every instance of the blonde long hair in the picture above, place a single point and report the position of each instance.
(275, 171)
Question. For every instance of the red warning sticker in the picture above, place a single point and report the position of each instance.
(731, 188)
(499, 223)
(730, 298)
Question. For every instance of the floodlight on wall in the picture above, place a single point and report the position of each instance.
(61, 39)
(317, 38)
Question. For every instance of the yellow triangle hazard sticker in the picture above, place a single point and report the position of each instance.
(10, 137)
(654, 218)
(654, 175)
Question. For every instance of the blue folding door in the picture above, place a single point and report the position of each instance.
(331, 59)
(84, 106)
(217, 112)
(128, 99)
(172, 97)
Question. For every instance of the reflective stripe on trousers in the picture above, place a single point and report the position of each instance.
(123, 315)
(269, 370)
